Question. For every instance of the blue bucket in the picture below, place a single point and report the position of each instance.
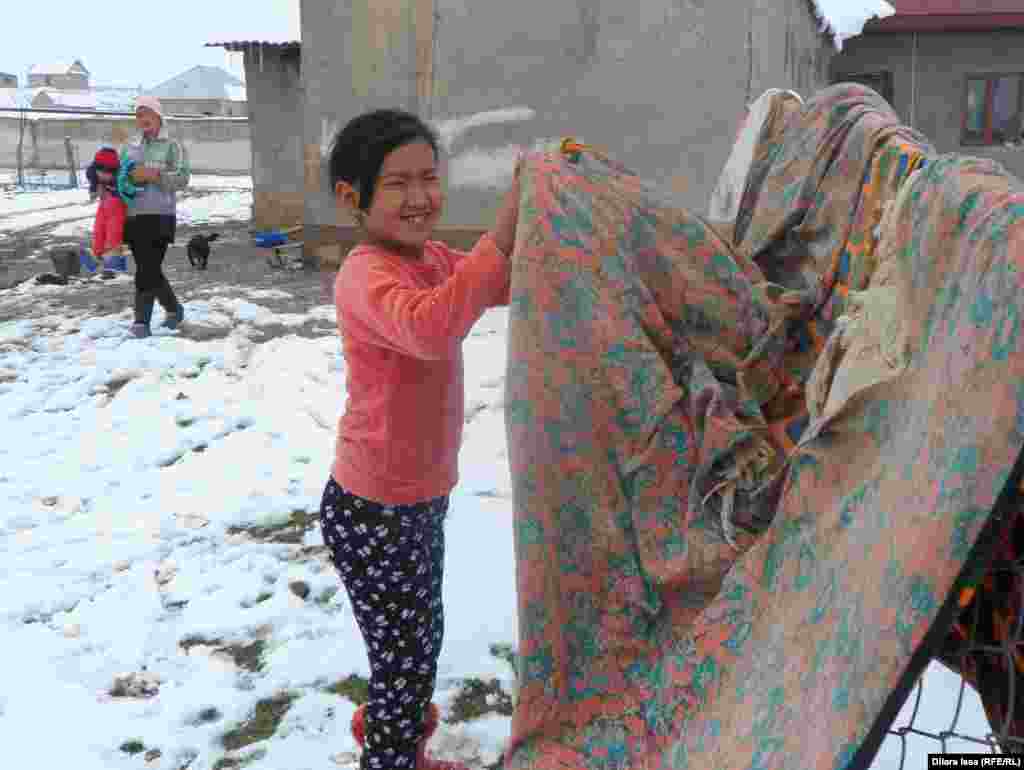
(86, 261)
(270, 238)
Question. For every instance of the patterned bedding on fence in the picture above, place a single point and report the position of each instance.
(752, 460)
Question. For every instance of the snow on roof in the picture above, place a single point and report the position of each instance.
(848, 17)
(52, 68)
(83, 100)
(105, 99)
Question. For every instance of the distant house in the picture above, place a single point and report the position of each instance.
(9, 99)
(952, 69)
(113, 99)
(52, 99)
(8, 80)
(203, 90)
(72, 76)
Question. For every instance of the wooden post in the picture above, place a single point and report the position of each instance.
(69, 150)
(21, 149)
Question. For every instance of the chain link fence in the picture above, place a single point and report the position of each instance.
(56, 169)
(985, 648)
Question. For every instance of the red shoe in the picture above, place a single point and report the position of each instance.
(423, 762)
(358, 728)
(430, 722)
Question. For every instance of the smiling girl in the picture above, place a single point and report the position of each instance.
(404, 305)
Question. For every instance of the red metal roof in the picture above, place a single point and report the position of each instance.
(954, 7)
(946, 22)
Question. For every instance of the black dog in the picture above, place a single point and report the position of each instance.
(198, 250)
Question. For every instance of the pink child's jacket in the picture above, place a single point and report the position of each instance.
(402, 323)
(108, 227)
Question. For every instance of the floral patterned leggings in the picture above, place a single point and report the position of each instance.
(391, 561)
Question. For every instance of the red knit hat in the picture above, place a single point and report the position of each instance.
(107, 159)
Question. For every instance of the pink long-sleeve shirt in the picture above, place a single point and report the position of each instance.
(402, 323)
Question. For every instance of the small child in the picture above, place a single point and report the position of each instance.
(404, 305)
(108, 229)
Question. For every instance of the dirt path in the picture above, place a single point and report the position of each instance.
(235, 263)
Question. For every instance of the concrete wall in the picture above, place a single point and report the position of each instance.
(275, 99)
(214, 146)
(944, 60)
(659, 83)
(216, 107)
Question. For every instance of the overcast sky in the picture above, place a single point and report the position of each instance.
(144, 42)
(138, 42)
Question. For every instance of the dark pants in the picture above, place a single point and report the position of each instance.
(391, 560)
(149, 236)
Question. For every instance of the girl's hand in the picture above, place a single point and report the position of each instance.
(508, 217)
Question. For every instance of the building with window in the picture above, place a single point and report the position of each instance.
(203, 90)
(73, 77)
(952, 69)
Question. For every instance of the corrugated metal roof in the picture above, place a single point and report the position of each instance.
(946, 22)
(241, 45)
(199, 82)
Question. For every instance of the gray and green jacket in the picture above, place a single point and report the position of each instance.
(160, 152)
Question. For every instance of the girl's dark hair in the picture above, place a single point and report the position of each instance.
(359, 149)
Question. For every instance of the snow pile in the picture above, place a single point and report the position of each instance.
(847, 17)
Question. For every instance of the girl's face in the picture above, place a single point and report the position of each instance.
(407, 199)
(104, 176)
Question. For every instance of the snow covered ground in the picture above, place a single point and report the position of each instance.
(140, 480)
(70, 214)
(157, 519)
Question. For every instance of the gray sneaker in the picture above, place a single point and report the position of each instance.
(140, 330)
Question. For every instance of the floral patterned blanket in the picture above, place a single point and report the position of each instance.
(721, 562)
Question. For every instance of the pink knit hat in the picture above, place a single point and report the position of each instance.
(150, 103)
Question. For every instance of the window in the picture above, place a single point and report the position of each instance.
(992, 109)
(881, 82)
